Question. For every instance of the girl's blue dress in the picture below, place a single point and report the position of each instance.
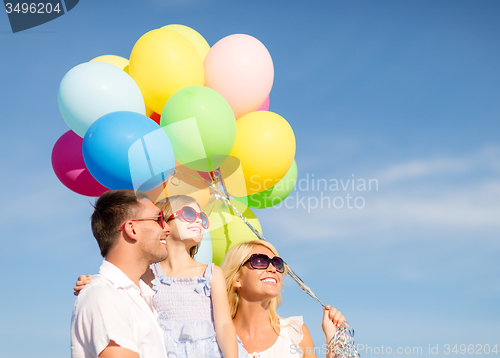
(185, 313)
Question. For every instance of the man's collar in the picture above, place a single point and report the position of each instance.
(116, 276)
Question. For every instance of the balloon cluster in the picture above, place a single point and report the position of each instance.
(176, 115)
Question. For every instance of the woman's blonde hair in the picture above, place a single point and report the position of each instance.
(174, 203)
(231, 266)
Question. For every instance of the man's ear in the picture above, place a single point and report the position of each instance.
(130, 231)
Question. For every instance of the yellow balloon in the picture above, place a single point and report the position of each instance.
(227, 229)
(162, 62)
(193, 36)
(265, 146)
(114, 60)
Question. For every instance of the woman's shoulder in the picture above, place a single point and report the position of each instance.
(291, 327)
(293, 320)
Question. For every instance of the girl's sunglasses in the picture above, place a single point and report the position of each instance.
(190, 215)
(261, 262)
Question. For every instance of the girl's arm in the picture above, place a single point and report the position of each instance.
(307, 345)
(224, 327)
(81, 282)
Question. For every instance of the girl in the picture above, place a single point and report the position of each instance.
(254, 273)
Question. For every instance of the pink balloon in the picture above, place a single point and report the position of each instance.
(241, 69)
(264, 106)
(70, 169)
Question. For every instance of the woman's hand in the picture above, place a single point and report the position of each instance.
(332, 320)
(80, 283)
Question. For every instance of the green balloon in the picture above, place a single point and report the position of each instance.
(201, 127)
(274, 195)
(227, 229)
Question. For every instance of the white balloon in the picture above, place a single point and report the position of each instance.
(93, 89)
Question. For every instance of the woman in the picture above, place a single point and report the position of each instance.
(254, 273)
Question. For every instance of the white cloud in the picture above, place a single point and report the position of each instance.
(488, 158)
(453, 197)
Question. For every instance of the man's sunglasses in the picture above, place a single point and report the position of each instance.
(160, 220)
(261, 262)
(190, 215)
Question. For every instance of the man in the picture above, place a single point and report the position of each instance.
(111, 317)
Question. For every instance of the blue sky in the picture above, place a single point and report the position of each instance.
(405, 93)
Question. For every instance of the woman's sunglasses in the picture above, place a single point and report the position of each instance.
(261, 262)
(190, 215)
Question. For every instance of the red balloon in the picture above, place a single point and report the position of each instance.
(206, 175)
(155, 117)
(70, 169)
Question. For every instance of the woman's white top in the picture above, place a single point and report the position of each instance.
(287, 344)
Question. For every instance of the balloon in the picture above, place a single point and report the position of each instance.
(155, 117)
(208, 176)
(240, 68)
(127, 150)
(70, 169)
(193, 36)
(117, 61)
(274, 195)
(201, 126)
(184, 181)
(93, 89)
(162, 62)
(264, 106)
(227, 229)
(265, 146)
(204, 254)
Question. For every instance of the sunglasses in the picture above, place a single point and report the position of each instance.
(160, 220)
(261, 262)
(190, 215)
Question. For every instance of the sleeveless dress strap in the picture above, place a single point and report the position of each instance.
(209, 272)
(156, 268)
(203, 285)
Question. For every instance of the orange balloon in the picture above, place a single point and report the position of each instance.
(184, 181)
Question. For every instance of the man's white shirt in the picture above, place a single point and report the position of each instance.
(112, 307)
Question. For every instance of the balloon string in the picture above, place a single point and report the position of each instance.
(221, 194)
(342, 342)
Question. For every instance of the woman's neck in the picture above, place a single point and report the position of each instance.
(254, 327)
(252, 316)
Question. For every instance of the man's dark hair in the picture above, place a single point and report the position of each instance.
(111, 210)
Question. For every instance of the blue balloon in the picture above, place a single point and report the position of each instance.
(127, 150)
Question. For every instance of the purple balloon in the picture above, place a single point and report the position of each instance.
(70, 169)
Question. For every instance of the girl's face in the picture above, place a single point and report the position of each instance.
(185, 230)
(255, 284)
